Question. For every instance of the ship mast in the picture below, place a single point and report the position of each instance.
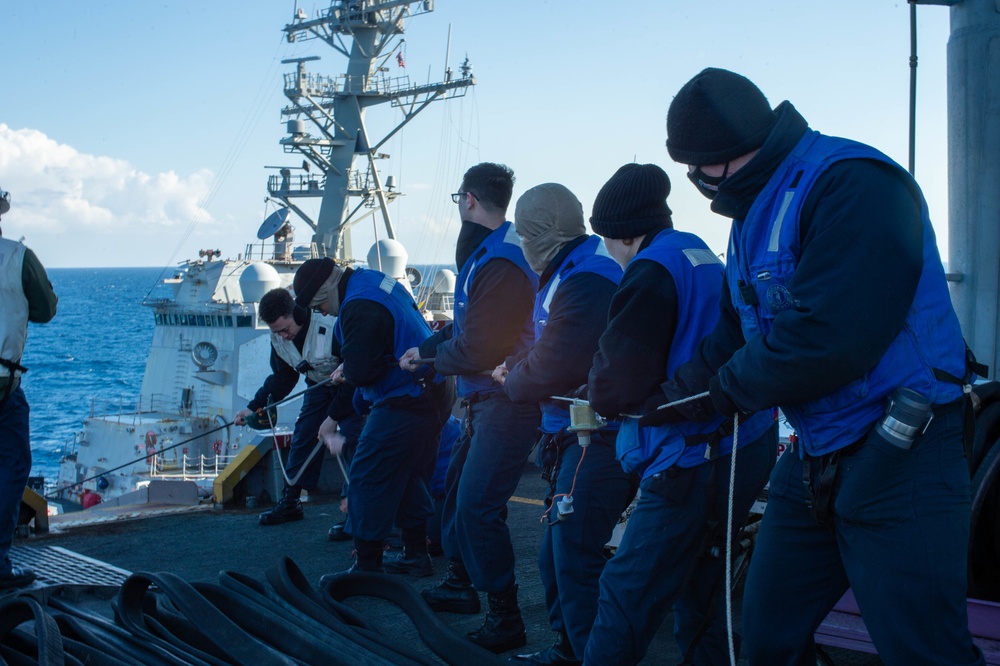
(326, 116)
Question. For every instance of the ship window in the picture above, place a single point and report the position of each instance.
(244, 321)
(201, 320)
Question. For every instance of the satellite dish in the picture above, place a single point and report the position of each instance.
(273, 222)
(413, 275)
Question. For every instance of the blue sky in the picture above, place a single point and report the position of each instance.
(136, 133)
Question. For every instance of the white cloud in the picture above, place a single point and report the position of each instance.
(57, 189)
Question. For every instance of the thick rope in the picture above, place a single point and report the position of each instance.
(729, 544)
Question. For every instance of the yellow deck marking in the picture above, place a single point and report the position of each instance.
(524, 500)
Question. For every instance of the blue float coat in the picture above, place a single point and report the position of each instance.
(493, 299)
(570, 314)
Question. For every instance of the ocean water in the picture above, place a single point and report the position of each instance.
(90, 356)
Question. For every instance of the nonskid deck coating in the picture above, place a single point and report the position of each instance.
(198, 545)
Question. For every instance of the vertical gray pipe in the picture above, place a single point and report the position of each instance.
(974, 174)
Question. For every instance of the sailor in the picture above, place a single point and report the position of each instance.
(377, 321)
(673, 550)
(493, 303)
(302, 342)
(578, 279)
(449, 435)
(835, 299)
(25, 295)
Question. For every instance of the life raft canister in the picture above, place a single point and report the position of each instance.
(90, 498)
(150, 443)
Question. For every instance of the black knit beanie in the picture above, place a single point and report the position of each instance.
(716, 117)
(310, 277)
(632, 203)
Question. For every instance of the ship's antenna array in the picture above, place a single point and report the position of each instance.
(326, 116)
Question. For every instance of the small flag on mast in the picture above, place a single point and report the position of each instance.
(400, 61)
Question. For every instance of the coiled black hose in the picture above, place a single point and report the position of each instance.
(984, 540)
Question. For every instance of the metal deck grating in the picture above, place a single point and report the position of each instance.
(59, 566)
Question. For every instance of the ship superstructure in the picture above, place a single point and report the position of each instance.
(210, 351)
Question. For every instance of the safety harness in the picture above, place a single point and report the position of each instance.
(972, 367)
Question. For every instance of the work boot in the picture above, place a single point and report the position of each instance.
(17, 577)
(417, 564)
(560, 654)
(454, 594)
(337, 533)
(502, 629)
(286, 510)
(413, 559)
(367, 559)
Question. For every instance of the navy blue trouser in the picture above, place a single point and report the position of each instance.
(664, 559)
(305, 439)
(899, 538)
(15, 467)
(391, 472)
(572, 556)
(350, 428)
(486, 465)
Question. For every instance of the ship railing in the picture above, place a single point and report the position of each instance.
(188, 468)
(319, 85)
(346, 17)
(314, 85)
(159, 404)
(296, 185)
(281, 252)
(156, 402)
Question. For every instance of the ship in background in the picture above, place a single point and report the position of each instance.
(210, 350)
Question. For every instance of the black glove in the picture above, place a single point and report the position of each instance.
(722, 403)
(580, 392)
(693, 410)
